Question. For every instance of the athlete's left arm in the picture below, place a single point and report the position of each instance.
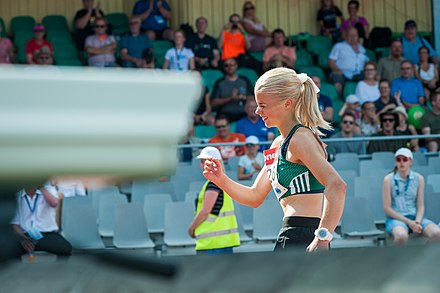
(307, 149)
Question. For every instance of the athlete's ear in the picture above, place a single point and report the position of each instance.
(288, 103)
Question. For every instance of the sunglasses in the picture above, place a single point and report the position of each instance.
(100, 26)
(226, 65)
(221, 126)
(402, 159)
(134, 22)
(387, 120)
(248, 145)
(44, 58)
(348, 122)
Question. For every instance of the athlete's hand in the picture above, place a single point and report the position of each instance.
(212, 169)
(317, 245)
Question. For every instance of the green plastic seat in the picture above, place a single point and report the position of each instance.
(382, 52)
(119, 23)
(55, 23)
(64, 51)
(160, 48)
(318, 43)
(337, 106)
(371, 55)
(258, 55)
(20, 41)
(69, 62)
(249, 73)
(210, 76)
(349, 88)
(59, 37)
(303, 59)
(329, 90)
(314, 70)
(22, 24)
(323, 59)
(205, 131)
(2, 25)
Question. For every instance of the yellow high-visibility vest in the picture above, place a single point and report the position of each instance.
(217, 231)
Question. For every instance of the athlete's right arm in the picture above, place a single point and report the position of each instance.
(252, 196)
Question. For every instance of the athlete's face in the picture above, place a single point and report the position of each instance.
(269, 109)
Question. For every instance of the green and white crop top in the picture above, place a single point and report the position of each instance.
(289, 178)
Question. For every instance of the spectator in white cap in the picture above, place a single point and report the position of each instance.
(214, 225)
(403, 201)
(252, 162)
(353, 106)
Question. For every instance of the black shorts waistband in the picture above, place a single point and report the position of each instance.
(306, 222)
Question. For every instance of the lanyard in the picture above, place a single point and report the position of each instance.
(29, 204)
(178, 56)
(396, 187)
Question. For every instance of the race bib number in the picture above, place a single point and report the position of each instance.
(271, 162)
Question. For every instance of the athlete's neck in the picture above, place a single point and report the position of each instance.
(286, 128)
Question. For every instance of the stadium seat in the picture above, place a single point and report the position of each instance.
(266, 221)
(369, 188)
(249, 73)
(107, 210)
(329, 90)
(434, 180)
(367, 165)
(348, 176)
(346, 161)
(3, 34)
(419, 159)
(349, 88)
(80, 227)
(196, 185)
(205, 131)
(371, 55)
(178, 217)
(55, 23)
(318, 43)
(160, 48)
(357, 219)
(243, 236)
(119, 23)
(425, 171)
(382, 52)
(96, 195)
(233, 163)
(69, 62)
(337, 106)
(258, 55)
(210, 76)
(59, 37)
(20, 41)
(131, 227)
(432, 206)
(64, 51)
(21, 24)
(73, 201)
(191, 196)
(303, 59)
(323, 59)
(434, 162)
(154, 211)
(387, 158)
(314, 70)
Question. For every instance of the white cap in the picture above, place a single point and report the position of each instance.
(252, 139)
(352, 99)
(209, 153)
(401, 110)
(404, 152)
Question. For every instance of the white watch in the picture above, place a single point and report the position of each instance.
(323, 234)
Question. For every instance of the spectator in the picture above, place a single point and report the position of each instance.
(69, 187)
(389, 67)
(352, 106)
(187, 154)
(386, 102)
(253, 125)
(224, 135)
(134, 44)
(35, 224)
(431, 122)
(327, 19)
(426, 72)
(204, 46)
(154, 15)
(355, 21)
(348, 130)
(278, 51)
(325, 103)
(411, 44)
(6, 49)
(100, 46)
(369, 124)
(84, 23)
(403, 201)
(179, 58)
(44, 56)
(203, 113)
(389, 122)
(230, 92)
(252, 161)
(214, 225)
(148, 58)
(346, 60)
(367, 90)
(232, 40)
(406, 129)
(257, 33)
(34, 46)
(407, 87)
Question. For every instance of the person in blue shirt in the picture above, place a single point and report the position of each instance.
(410, 89)
(134, 44)
(155, 15)
(411, 43)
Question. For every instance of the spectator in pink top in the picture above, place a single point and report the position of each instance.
(6, 49)
(279, 52)
(354, 20)
(34, 46)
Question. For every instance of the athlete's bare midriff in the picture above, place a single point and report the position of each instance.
(302, 205)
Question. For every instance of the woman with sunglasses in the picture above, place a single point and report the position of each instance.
(296, 165)
(403, 201)
(257, 33)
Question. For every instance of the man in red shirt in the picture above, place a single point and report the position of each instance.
(35, 45)
(224, 135)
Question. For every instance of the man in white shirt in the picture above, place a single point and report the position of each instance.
(35, 222)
